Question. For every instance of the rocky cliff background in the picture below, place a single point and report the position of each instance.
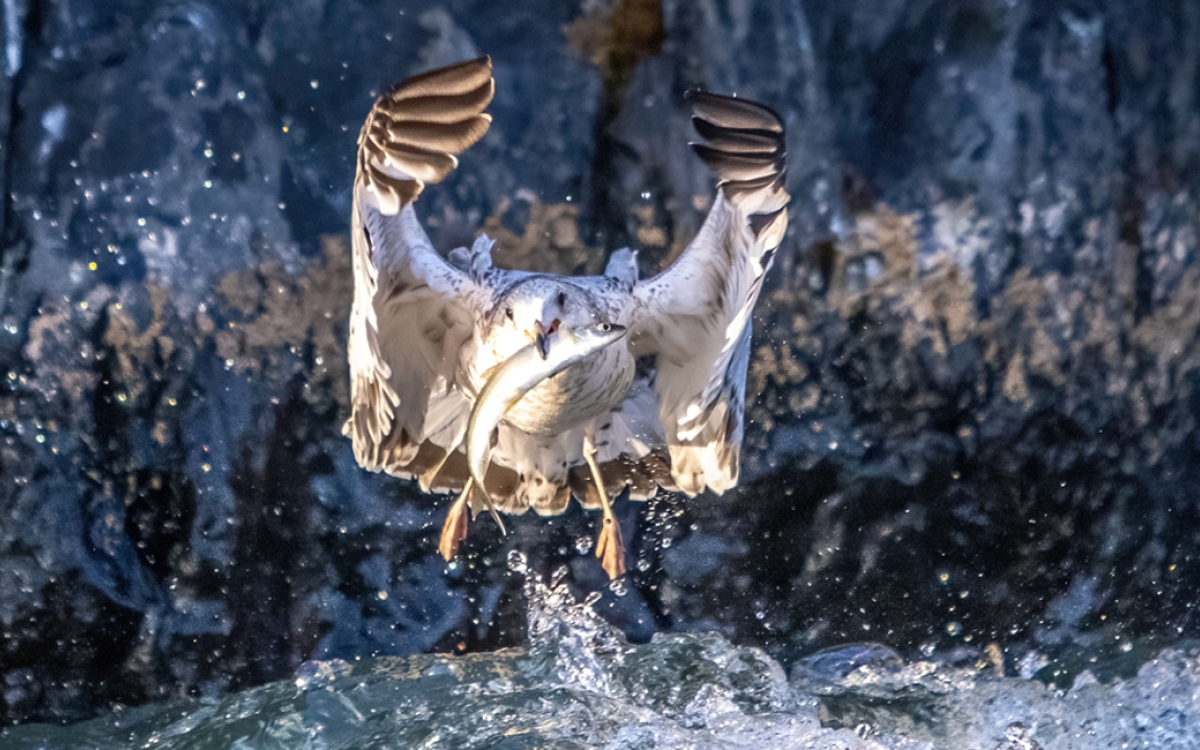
(973, 397)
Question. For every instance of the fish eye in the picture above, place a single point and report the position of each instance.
(605, 328)
(508, 311)
(562, 299)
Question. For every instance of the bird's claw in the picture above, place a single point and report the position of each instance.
(610, 544)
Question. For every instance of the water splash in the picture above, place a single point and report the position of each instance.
(571, 643)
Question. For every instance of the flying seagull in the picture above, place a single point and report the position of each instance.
(661, 407)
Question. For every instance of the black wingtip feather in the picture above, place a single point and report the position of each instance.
(416, 128)
(733, 113)
(745, 145)
(739, 167)
(450, 80)
(739, 141)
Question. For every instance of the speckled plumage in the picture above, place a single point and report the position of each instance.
(424, 330)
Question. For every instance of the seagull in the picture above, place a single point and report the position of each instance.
(660, 408)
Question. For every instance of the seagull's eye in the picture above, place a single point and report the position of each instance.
(508, 312)
(562, 299)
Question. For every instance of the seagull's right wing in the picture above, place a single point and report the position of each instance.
(413, 311)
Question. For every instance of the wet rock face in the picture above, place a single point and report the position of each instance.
(973, 392)
(992, 389)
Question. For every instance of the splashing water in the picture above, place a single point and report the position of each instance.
(580, 685)
(575, 646)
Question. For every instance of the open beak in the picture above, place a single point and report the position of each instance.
(541, 336)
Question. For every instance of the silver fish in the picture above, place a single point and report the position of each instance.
(519, 374)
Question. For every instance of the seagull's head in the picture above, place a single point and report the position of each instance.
(535, 307)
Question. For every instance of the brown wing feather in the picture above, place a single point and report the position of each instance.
(453, 137)
(745, 143)
(447, 81)
(417, 127)
(732, 113)
(739, 166)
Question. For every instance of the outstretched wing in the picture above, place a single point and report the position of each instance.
(695, 316)
(412, 311)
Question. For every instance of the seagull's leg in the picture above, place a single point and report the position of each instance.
(454, 531)
(610, 546)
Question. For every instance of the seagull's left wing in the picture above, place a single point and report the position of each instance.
(413, 311)
(695, 316)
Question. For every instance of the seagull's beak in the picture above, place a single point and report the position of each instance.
(539, 337)
(541, 334)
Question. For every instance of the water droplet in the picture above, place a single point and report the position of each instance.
(517, 562)
(558, 576)
(954, 627)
